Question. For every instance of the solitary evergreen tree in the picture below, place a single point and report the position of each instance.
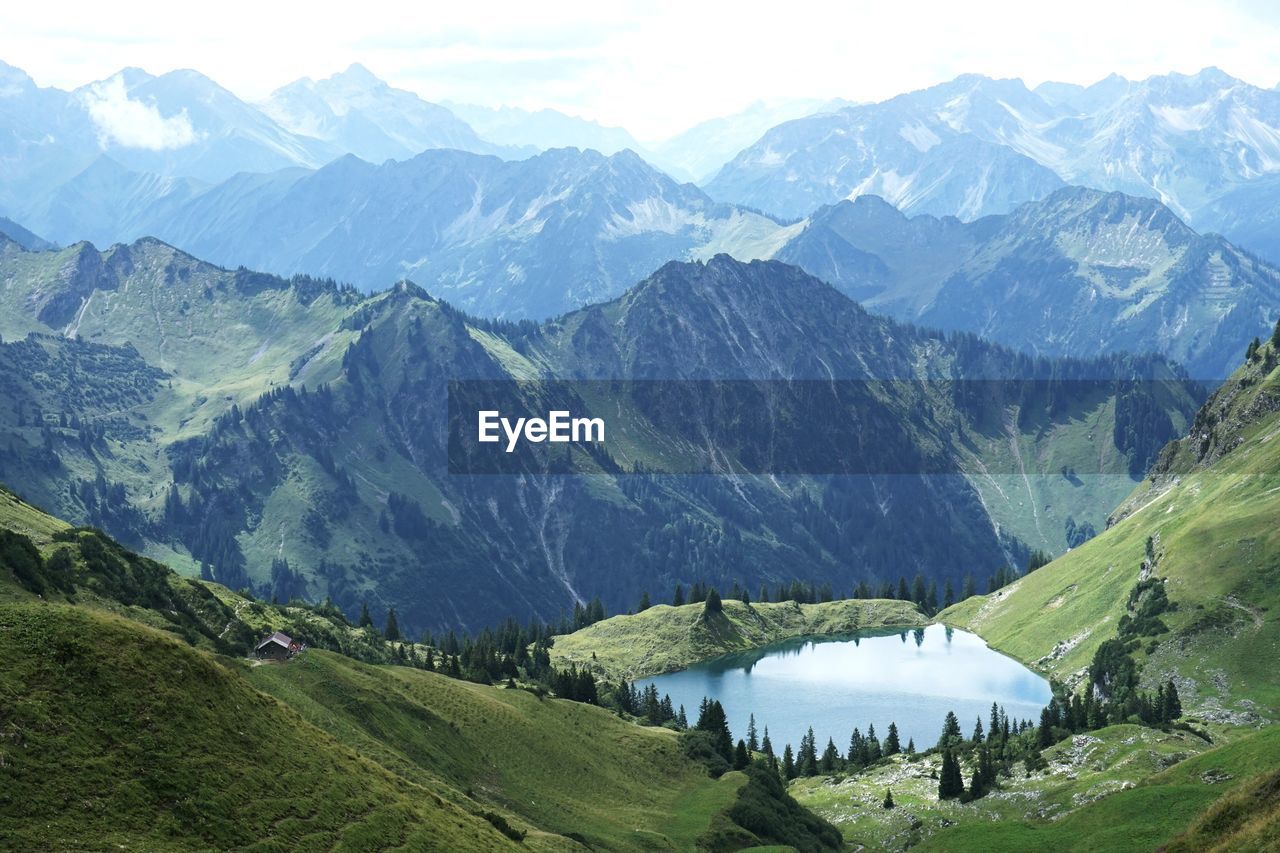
(874, 752)
(888, 798)
(392, 631)
(911, 746)
(1172, 709)
(788, 763)
(891, 745)
(645, 604)
(366, 621)
(741, 758)
(950, 782)
(766, 745)
(713, 604)
(977, 733)
(753, 740)
(1044, 733)
(950, 731)
(678, 598)
(830, 758)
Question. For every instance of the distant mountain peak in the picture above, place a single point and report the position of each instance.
(357, 73)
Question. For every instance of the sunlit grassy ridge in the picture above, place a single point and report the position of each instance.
(558, 765)
(665, 638)
(1146, 815)
(114, 734)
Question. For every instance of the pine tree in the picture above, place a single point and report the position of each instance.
(1275, 336)
(948, 594)
(766, 745)
(874, 753)
(950, 731)
(1172, 708)
(967, 591)
(741, 758)
(788, 763)
(888, 798)
(977, 733)
(807, 761)
(830, 758)
(645, 604)
(1044, 733)
(678, 598)
(713, 605)
(392, 631)
(366, 621)
(753, 740)
(712, 719)
(950, 782)
(911, 746)
(891, 745)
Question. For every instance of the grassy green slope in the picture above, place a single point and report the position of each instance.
(120, 725)
(563, 766)
(1149, 814)
(665, 638)
(1217, 544)
(115, 734)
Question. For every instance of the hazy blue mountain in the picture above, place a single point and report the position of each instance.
(1078, 273)
(697, 153)
(360, 114)
(184, 124)
(45, 139)
(24, 238)
(1187, 140)
(107, 202)
(529, 238)
(933, 151)
(535, 130)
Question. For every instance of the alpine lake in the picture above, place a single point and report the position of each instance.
(834, 683)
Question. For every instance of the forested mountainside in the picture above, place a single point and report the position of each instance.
(291, 435)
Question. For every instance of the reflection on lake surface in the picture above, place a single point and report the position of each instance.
(835, 683)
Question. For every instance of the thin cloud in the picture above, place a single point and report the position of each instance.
(130, 123)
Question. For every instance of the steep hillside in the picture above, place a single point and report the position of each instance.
(1077, 273)
(299, 421)
(1203, 522)
(121, 723)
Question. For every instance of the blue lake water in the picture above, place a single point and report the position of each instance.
(836, 683)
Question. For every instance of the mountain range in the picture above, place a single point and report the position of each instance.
(1078, 272)
(974, 146)
(227, 420)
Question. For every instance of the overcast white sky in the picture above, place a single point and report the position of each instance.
(654, 67)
